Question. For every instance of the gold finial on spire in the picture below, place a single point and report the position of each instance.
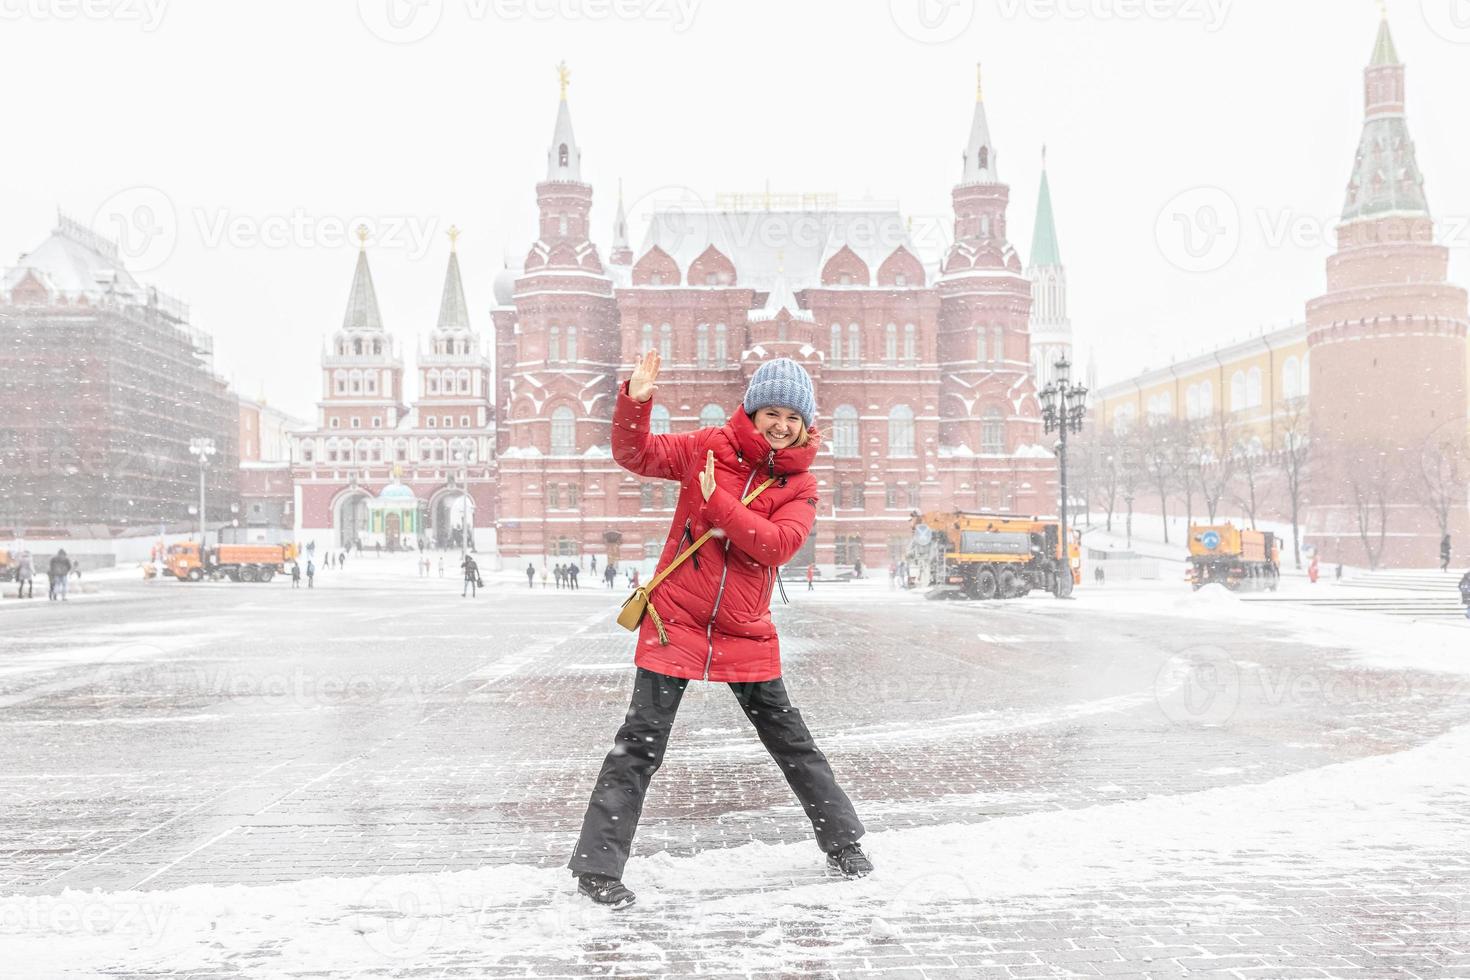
(453, 234)
(362, 234)
(979, 90)
(1383, 9)
(564, 76)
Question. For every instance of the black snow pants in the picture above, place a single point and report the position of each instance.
(617, 799)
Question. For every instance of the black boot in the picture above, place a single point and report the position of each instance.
(605, 890)
(849, 861)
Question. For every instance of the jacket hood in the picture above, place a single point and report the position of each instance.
(752, 447)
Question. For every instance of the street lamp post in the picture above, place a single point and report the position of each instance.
(202, 449)
(1062, 407)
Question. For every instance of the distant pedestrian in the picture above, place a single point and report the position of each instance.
(377, 549)
(543, 576)
(25, 576)
(594, 564)
(471, 576)
(1444, 553)
(857, 568)
(1465, 588)
(327, 562)
(311, 573)
(610, 574)
(556, 574)
(573, 571)
(530, 575)
(311, 547)
(1312, 571)
(811, 577)
(359, 546)
(342, 557)
(633, 579)
(57, 570)
(295, 574)
(1097, 574)
(441, 566)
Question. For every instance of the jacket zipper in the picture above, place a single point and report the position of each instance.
(709, 631)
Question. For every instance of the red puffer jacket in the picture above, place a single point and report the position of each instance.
(717, 613)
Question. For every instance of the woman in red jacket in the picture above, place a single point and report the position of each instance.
(715, 610)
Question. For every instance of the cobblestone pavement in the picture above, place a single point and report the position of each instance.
(1188, 793)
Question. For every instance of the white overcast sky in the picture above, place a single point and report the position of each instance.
(191, 116)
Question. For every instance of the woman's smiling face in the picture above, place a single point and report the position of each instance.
(778, 426)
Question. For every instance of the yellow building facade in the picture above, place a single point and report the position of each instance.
(1251, 392)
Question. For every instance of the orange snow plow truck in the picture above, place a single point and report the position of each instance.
(236, 562)
(994, 556)
(1237, 559)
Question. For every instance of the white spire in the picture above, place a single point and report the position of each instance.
(979, 151)
(563, 158)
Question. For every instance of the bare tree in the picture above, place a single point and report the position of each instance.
(1252, 474)
(1217, 468)
(1107, 455)
(1159, 455)
(1295, 457)
(1132, 475)
(1438, 478)
(1366, 469)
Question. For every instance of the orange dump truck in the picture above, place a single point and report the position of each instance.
(995, 556)
(1236, 559)
(236, 562)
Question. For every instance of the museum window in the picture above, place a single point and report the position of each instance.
(563, 432)
(377, 422)
(845, 431)
(553, 496)
(992, 432)
(890, 342)
(854, 345)
(571, 344)
(356, 422)
(901, 431)
(658, 421)
(553, 345)
(910, 343)
(722, 352)
(432, 422)
(336, 423)
(671, 495)
(701, 345)
(464, 421)
(645, 496)
(666, 342)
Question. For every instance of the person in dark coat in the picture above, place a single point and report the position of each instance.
(714, 616)
(57, 570)
(530, 575)
(1465, 588)
(295, 574)
(1444, 553)
(610, 574)
(471, 576)
(310, 574)
(572, 573)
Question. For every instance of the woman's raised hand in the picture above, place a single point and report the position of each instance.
(707, 475)
(645, 374)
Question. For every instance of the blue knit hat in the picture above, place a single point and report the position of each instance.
(784, 384)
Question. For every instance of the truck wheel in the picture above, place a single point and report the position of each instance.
(195, 574)
(247, 573)
(985, 584)
(1007, 584)
(1064, 584)
(267, 573)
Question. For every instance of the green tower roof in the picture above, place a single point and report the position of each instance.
(1044, 249)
